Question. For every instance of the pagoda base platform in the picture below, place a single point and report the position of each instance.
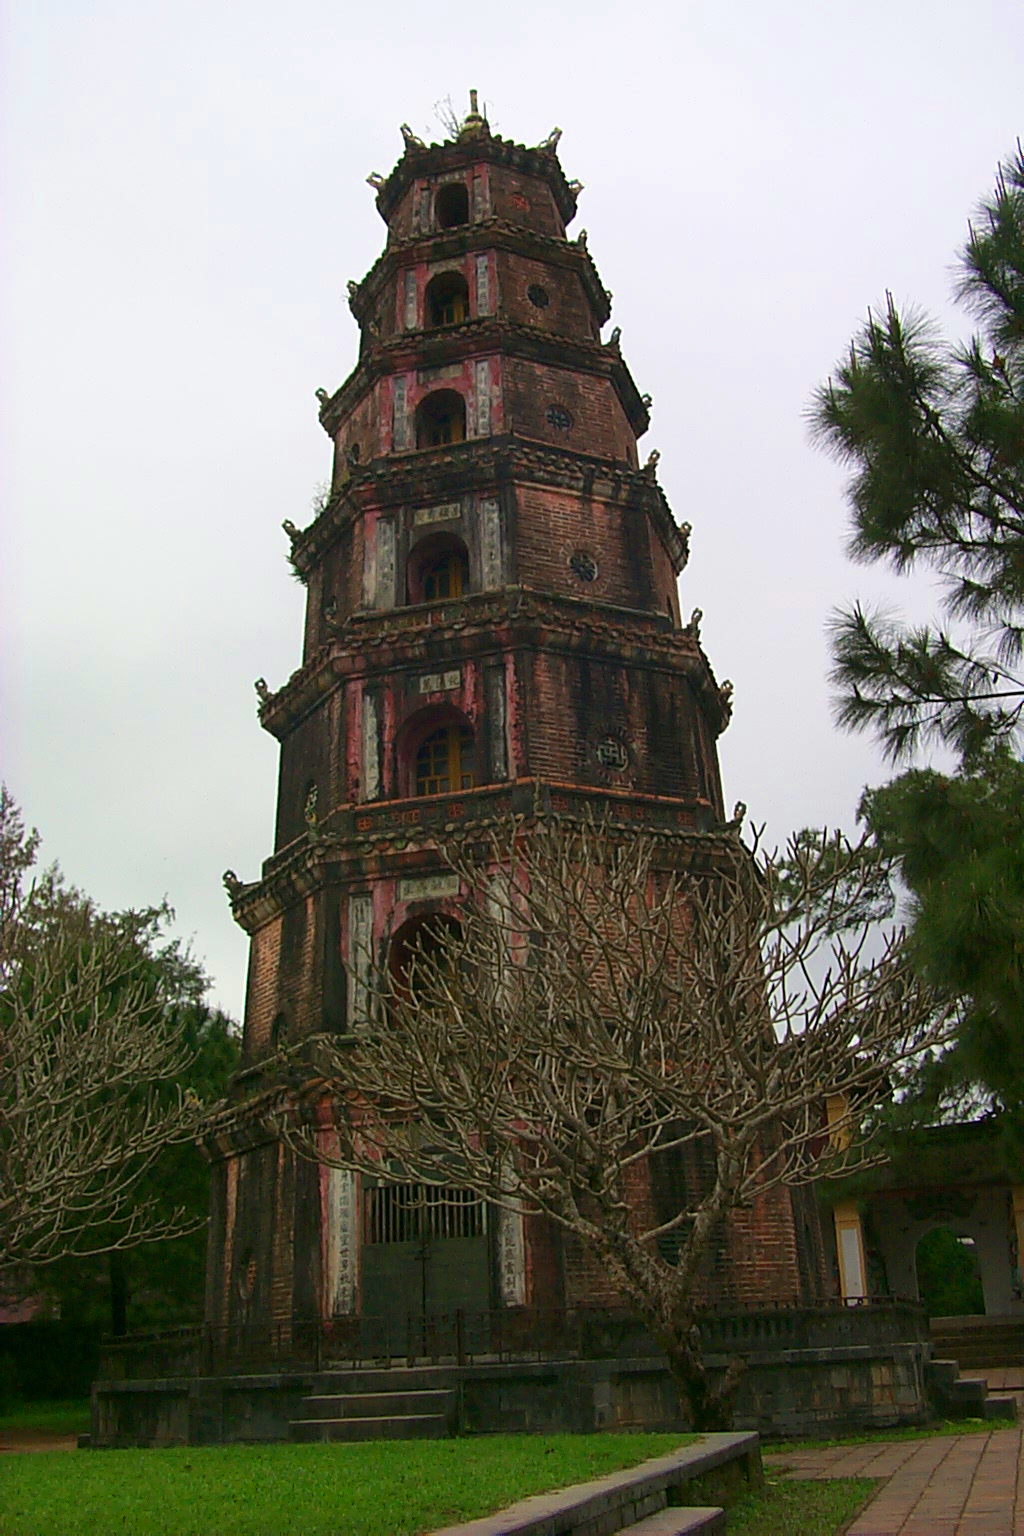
(808, 1371)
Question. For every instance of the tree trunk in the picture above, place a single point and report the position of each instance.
(705, 1405)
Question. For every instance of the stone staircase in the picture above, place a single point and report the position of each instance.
(364, 1407)
(966, 1397)
(990, 1345)
(980, 1343)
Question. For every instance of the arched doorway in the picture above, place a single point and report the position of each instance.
(948, 1274)
(425, 1247)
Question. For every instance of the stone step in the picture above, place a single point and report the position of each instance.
(371, 1405)
(679, 1522)
(409, 1426)
(995, 1407)
(980, 1343)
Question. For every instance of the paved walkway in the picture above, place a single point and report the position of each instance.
(948, 1485)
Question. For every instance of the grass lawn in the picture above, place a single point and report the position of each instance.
(800, 1508)
(876, 1436)
(385, 1488)
(70, 1417)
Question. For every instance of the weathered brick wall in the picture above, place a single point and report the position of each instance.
(567, 311)
(599, 424)
(551, 525)
(572, 703)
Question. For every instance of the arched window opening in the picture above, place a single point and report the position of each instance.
(438, 568)
(445, 576)
(420, 942)
(451, 205)
(445, 761)
(279, 1031)
(440, 419)
(447, 299)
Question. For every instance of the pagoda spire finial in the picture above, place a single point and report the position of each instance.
(475, 122)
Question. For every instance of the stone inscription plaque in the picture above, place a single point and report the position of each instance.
(427, 887)
(447, 512)
(439, 682)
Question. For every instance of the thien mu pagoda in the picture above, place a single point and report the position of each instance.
(492, 627)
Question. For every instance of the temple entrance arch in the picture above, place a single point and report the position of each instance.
(426, 1248)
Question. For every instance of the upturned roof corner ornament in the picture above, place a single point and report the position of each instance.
(725, 691)
(734, 824)
(290, 529)
(615, 337)
(575, 187)
(309, 813)
(647, 401)
(412, 140)
(262, 690)
(375, 180)
(322, 395)
(651, 467)
(550, 144)
(581, 239)
(232, 884)
(693, 628)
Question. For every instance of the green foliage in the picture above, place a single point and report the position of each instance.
(959, 843)
(935, 435)
(384, 1488)
(947, 1275)
(109, 1056)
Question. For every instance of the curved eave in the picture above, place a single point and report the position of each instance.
(377, 837)
(483, 234)
(431, 159)
(394, 478)
(513, 618)
(486, 334)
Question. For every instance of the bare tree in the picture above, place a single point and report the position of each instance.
(88, 1051)
(601, 997)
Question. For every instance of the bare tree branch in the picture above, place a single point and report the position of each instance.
(603, 1000)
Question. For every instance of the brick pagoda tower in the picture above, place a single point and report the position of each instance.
(492, 625)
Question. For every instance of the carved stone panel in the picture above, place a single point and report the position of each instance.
(497, 717)
(400, 433)
(341, 1242)
(491, 563)
(511, 1258)
(384, 574)
(409, 289)
(482, 382)
(371, 748)
(360, 939)
(483, 284)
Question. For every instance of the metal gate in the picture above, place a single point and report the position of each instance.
(425, 1257)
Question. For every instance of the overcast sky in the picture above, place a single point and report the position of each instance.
(186, 200)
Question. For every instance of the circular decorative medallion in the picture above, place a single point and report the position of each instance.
(612, 753)
(583, 565)
(538, 296)
(559, 418)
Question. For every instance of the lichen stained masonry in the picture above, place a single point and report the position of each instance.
(492, 624)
